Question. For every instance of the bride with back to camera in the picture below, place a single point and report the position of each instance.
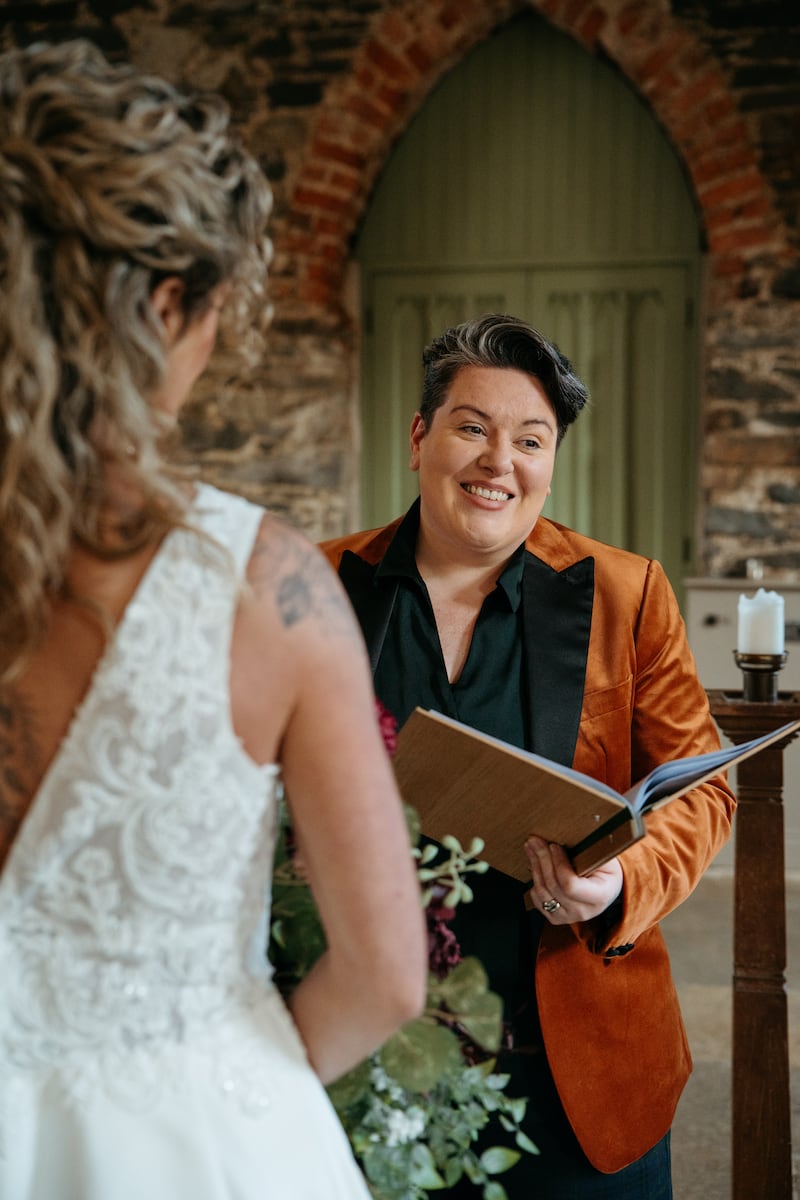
(170, 657)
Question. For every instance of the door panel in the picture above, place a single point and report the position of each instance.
(625, 474)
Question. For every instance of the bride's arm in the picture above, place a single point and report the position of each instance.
(299, 661)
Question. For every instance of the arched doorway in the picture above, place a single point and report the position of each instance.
(534, 181)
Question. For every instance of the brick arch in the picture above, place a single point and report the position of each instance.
(409, 48)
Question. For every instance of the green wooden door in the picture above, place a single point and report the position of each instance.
(625, 471)
(534, 181)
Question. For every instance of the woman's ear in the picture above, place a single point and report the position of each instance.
(167, 301)
(415, 437)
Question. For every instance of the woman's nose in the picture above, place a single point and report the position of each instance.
(496, 457)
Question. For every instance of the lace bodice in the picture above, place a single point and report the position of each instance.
(134, 903)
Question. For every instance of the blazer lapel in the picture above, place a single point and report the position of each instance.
(372, 603)
(557, 620)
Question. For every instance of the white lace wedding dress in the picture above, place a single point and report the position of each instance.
(144, 1053)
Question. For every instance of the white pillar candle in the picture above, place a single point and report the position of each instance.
(760, 623)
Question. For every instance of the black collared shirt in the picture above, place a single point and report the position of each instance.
(411, 671)
(488, 695)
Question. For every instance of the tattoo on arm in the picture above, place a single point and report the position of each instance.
(294, 598)
(303, 584)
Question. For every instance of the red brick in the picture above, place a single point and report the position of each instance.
(721, 162)
(361, 107)
(721, 106)
(727, 265)
(728, 191)
(573, 11)
(758, 208)
(324, 149)
(316, 199)
(395, 30)
(738, 238)
(660, 88)
(386, 62)
(364, 77)
(326, 225)
(393, 99)
(667, 51)
(590, 28)
(342, 181)
(418, 55)
(644, 20)
(324, 272)
(552, 9)
(630, 16)
(693, 96)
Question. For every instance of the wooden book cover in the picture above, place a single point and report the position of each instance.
(467, 784)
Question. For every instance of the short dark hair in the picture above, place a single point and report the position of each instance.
(500, 340)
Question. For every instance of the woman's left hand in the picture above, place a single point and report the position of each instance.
(563, 896)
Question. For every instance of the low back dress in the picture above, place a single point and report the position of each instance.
(144, 1052)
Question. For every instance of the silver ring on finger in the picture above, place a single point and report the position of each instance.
(551, 906)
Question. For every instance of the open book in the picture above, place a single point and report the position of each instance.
(468, 784)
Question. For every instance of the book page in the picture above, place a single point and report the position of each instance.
(673, 779)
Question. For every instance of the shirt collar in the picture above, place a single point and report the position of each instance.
(400, 559)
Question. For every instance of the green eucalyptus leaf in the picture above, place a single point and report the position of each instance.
(419, 1053)
(348, 1089)
(387, 1170)
(484, 1021)
(422, 1169)
(498, 1081)
(464, 984)
(525, 1143)
(497, 1159)
(494, 1191)
(453, 1170)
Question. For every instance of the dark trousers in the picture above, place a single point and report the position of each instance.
(561, 1170)
(496, 928)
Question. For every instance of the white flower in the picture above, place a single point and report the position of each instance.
(402, 1127)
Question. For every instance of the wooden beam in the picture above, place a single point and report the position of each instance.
(762, 1136)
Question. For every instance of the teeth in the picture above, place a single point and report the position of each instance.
(486, 493)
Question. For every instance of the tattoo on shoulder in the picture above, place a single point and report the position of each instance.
(304, 586)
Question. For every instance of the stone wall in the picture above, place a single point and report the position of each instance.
(322, 90)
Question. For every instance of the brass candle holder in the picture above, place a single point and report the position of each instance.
(760, 675)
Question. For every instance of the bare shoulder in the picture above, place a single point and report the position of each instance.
(20, 763)
(289, 571)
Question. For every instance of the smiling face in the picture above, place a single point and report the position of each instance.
(485, 465)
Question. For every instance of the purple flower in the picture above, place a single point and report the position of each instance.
(444, 952)
(388, 727)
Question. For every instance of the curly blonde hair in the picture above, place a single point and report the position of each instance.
(110, 181)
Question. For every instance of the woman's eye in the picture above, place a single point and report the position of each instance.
(531, 444)
(472, 429)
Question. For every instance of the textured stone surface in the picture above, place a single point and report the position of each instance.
(321, 91)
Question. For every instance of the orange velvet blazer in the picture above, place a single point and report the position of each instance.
(614, 693)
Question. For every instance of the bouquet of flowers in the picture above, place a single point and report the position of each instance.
(413, 1110)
